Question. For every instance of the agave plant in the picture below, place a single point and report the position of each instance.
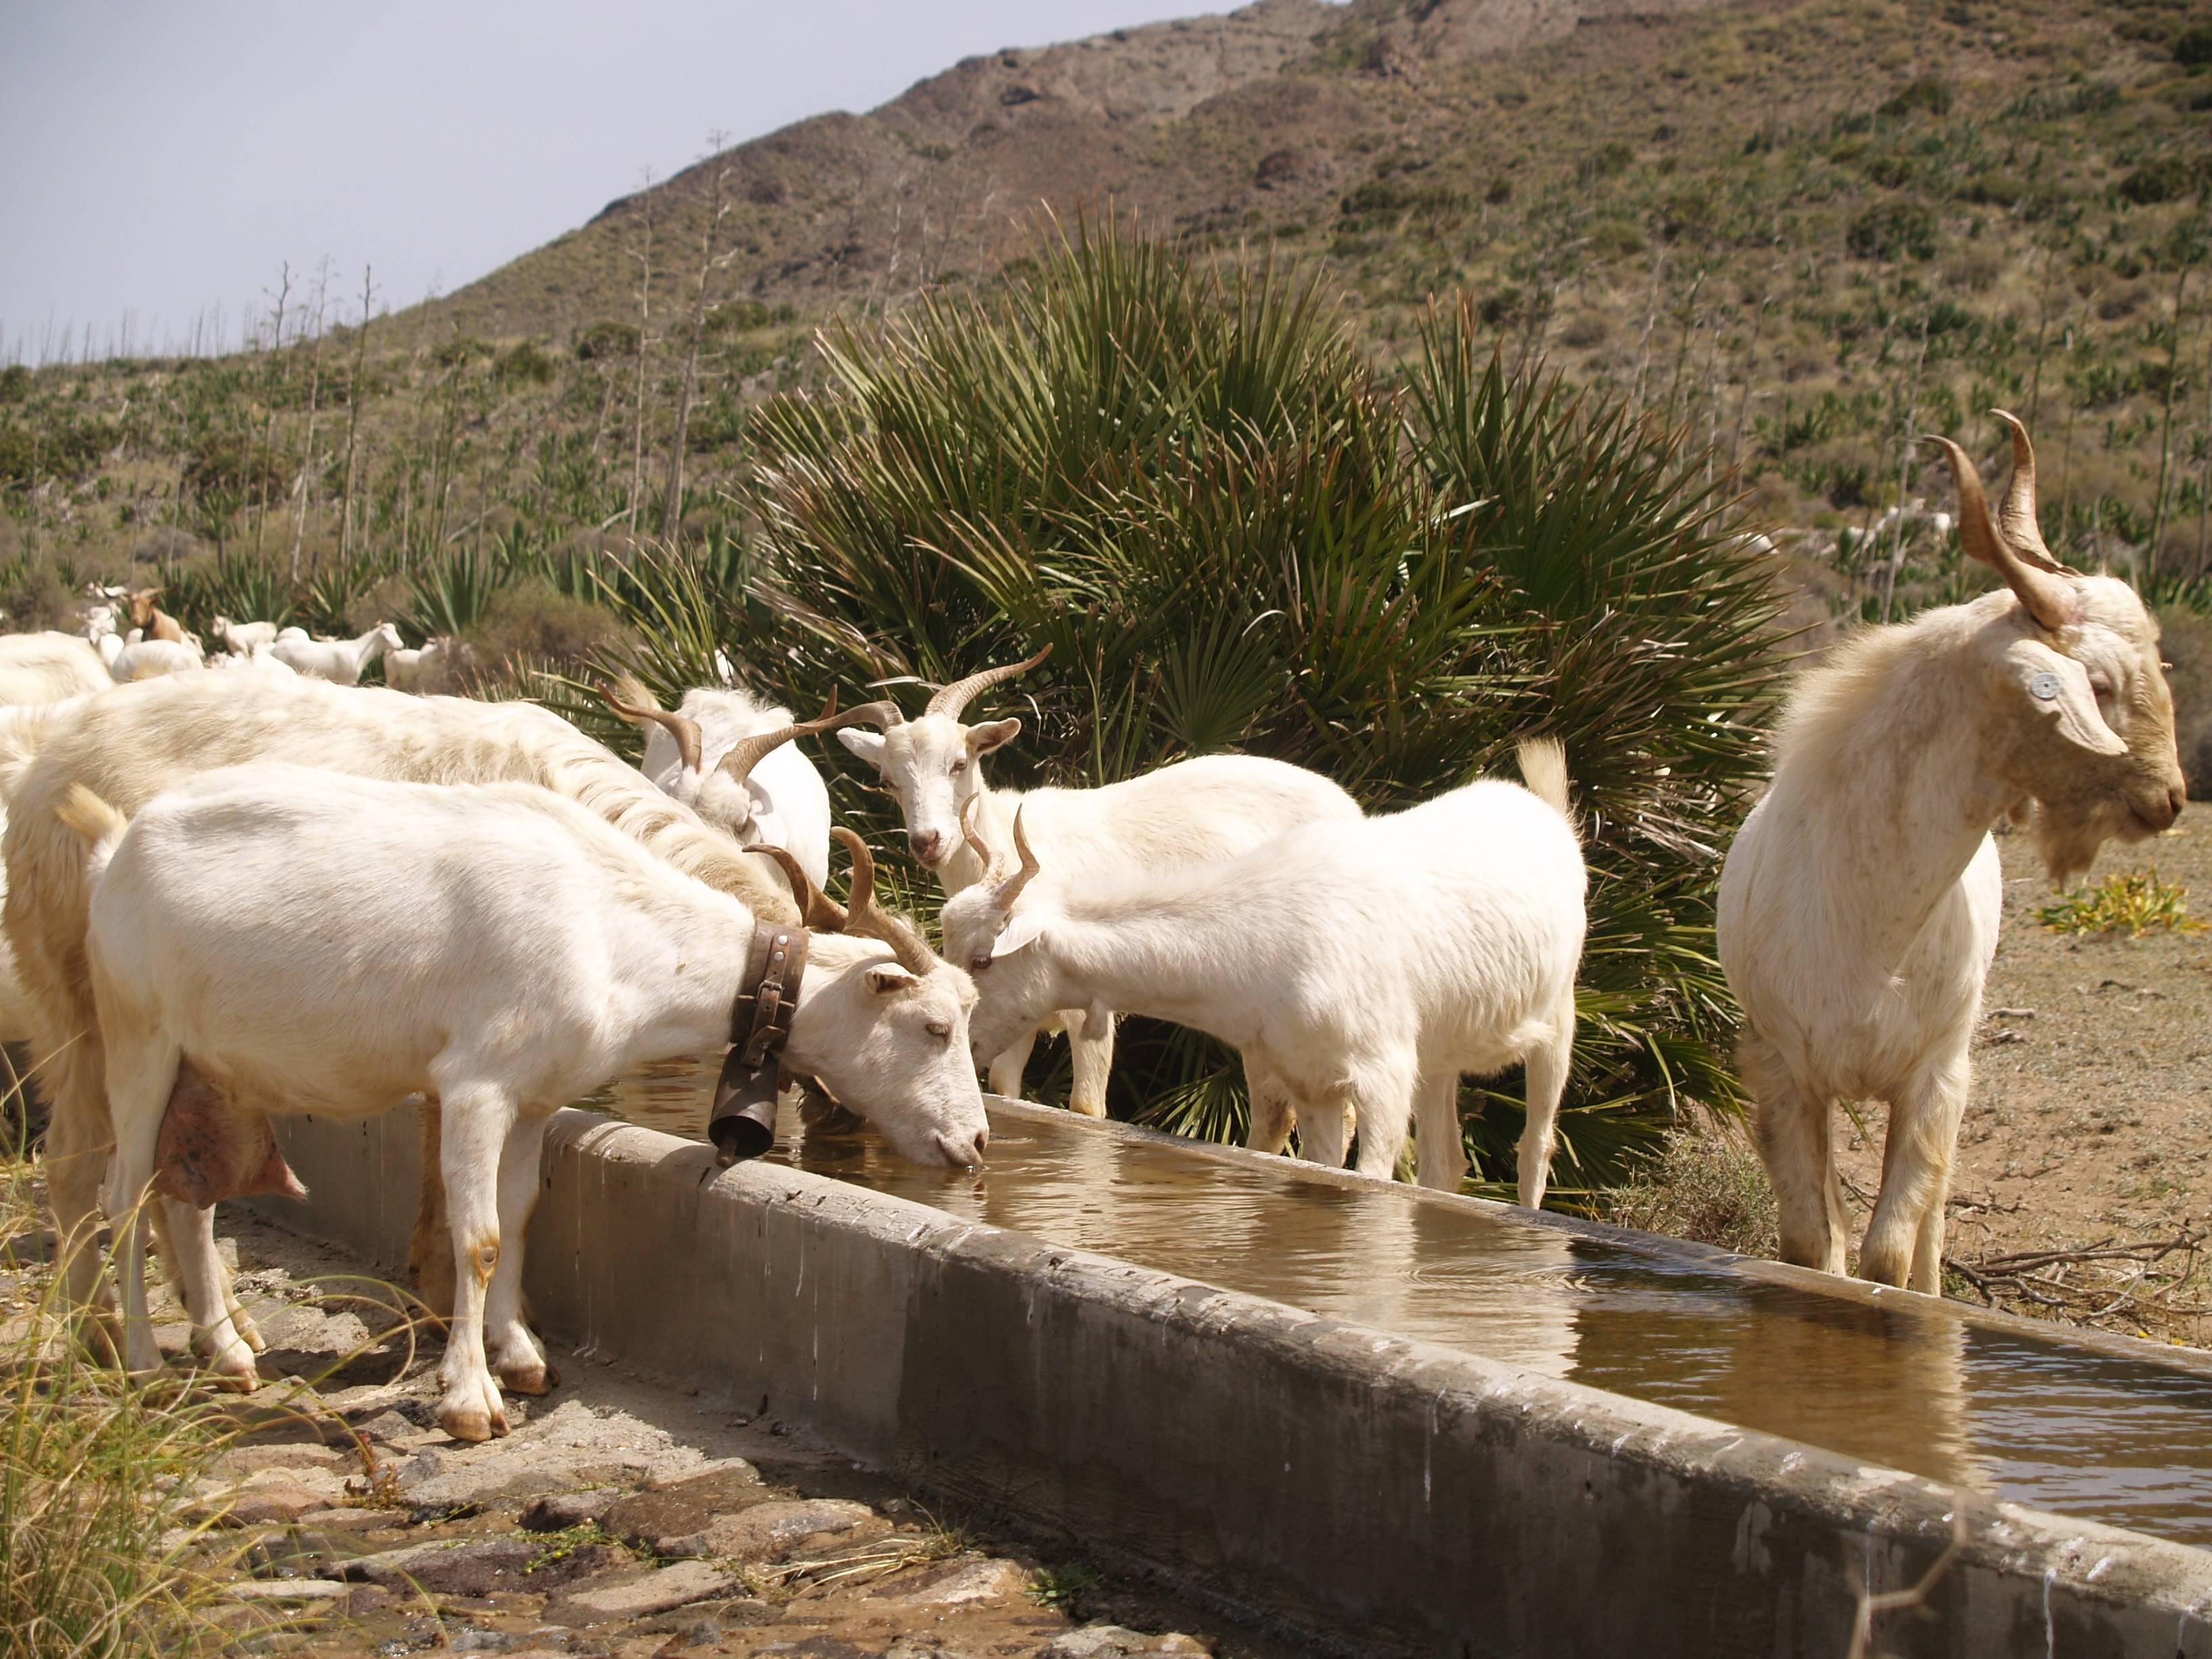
(1190, 485)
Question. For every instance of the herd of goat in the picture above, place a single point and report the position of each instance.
(234, 896)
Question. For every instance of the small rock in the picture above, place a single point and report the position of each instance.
(477, 1567)
(671, 1521)
(559, 1511)
(297, 1455)
(345, 1520)
(767, 1532)
(270, 1498)
(723, 1470)
(657, 1591)
(961, 1583)
(287, 1589)
(1115, 1642)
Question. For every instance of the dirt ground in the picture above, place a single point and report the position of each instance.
(2090, 1127)
(622, 1517)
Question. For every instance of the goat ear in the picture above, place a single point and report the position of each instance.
(1020, 930)
(868, 745)
(993, 734)
(888, 979)
(2057, 687)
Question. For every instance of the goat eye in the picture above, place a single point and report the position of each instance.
(959, 766)
(939, 1028)
(977, 964)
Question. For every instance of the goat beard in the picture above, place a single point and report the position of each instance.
(2070, 835)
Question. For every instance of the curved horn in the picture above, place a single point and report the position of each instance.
(884, 714)
(746, 752)
(865, 916)
(975, 843)
(2016, 513)
(2047, 595)
(823, 914)
(1009, 888)
(952, 699)
(681, 727)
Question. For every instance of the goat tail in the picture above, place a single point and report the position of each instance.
(1544, 770)
(99, 823)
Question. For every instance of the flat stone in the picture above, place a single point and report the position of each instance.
(476, 1567)
(297, 1455)
(560, 1449)
(1116, 1642)
(287, 1589)
(345, 1520)
(766, 1532)
(672, 1519)
(657, 1591)
(735, 1470)
(961, 1584)
(559, 1511)
(271, 1498)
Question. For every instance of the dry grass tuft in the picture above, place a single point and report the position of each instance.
(1704, 1184)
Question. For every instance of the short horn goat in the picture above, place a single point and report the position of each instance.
(564, 954)
(1193, 812)
(1359, 966)
(1859, 904)
(339, 661)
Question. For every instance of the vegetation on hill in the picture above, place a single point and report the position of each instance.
(1601, 275)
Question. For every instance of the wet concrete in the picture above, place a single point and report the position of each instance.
(1401, 1492)
(2005, 1407)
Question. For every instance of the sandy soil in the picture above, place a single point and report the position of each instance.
(2091, 1119)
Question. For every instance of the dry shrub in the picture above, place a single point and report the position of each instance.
(2187, 643)
(533, 622)
(1704, 1184)
(38, 599)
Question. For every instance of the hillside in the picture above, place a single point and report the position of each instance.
(1799, 232)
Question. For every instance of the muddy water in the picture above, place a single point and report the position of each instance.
(1911, 1387)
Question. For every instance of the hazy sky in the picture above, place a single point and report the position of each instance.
(161, 159)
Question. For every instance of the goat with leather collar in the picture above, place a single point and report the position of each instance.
(742, 1120)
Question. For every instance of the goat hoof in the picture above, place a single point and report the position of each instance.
(248, 1332)
(536, 1379)
(473, 1413)
(1087, 1108)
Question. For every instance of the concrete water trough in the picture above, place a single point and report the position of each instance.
(1405, 1420)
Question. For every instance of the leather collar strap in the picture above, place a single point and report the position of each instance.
(742, 1121)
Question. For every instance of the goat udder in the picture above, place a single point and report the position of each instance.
(206, 1150)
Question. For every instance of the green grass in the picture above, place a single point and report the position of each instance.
(2126, 905)
(100, 1555)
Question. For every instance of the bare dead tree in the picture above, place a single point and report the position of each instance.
(268, 427)
(352, 415)
(671, 508)
(1906, 442)
(2166, 425)
(1643, 338)
(302, 482)
(643, 255)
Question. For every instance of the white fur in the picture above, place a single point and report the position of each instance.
(784, 803)
(1859, 904)
(244, 638)
(405, 667)
(339, 661)
(523, 952)
(37, 668)
(1358, 966)
(146, 659)
(1194, 811)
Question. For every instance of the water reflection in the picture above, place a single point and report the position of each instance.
(1897, 1383)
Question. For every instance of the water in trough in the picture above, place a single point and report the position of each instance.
(1906, 1383)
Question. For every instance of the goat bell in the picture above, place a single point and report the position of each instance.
(742, 1121)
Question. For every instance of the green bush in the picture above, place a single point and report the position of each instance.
(533, 624)
(605, 340)
(2192, 47)
(1931, 94)
(1893, 230)
(14, 384)
(2161, 179)
(524, 364)
(1191, 486)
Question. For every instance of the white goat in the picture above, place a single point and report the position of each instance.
(1362, 964)
(1192, 812)
(146, 659)
(38, 668)
(339, 661)
(243, 638)
(564, 953)
(408, 668)
(723, 754)
(1859, 904)
(131, 743)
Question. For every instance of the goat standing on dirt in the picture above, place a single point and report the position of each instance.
(1859, 905)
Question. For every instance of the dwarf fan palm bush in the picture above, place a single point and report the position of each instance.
(1234, 537)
